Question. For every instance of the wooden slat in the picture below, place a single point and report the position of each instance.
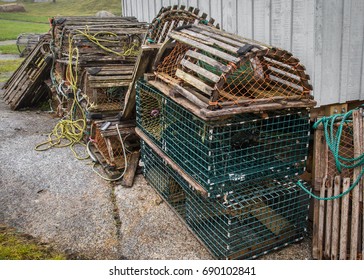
(344, 221)
(200, 71)
(218, 37)
(321, 220)
(208, 60)
(328, 219)
(335, 220)
(204, 47)
(194, 82)
(210, 40)
(355, 195)
(361, 187)
(129, 175)
(190, 96)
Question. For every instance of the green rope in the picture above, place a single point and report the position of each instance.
(333, 142)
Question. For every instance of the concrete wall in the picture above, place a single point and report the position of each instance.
(326, 35)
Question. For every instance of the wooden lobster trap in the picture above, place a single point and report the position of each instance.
(26, 86)
(167, 20)
(96, 55)
(338, 228)
(215, 70)
(116, 142)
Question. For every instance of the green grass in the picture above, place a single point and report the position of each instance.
(36, 17)
(16, 246)
(9, 49)
(10, 30)
(7, 67)
(41, 12)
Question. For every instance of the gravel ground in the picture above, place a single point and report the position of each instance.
(58, 199)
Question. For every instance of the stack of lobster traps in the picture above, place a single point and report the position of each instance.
(224, 124)
(93, 63)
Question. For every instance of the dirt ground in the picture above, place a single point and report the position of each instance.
(61, 201)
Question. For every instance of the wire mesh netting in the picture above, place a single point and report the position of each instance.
(106, 99)
(223, 154)
(260, 217)
(225, 70)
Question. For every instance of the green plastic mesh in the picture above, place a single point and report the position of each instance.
(260, 217)
(221, 155)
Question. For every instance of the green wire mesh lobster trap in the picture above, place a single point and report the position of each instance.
(260, 217)
(223, 154)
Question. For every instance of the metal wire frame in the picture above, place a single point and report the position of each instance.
(222, 155)
(260, 217)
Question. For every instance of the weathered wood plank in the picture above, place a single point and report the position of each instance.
(194, 82)
(335, 220)
(129, 175)
(208, 60)
(190, 96)
(204, 47)
(200, 71)
(344, 221)
(210, 40)
(321, 220)
(355, 194)
(328, 219)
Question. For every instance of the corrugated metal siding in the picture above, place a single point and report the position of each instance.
(326, 35)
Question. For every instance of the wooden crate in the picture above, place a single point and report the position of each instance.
(26, 86)
(338, 224)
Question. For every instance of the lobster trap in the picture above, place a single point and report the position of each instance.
(104, 88)
(223, 154)
(114, 143)
(214, 69)
(338, 231)
(26, 86)
(167, 19)
(260, 217)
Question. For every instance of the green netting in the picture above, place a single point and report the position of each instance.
(260, 217)
(221, 155)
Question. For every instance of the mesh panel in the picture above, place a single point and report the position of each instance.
(260, 217)
(106, 99)
(222, 154)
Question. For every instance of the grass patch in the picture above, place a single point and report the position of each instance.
(10, 30)
(9, 49)
(7, 67)
(16, 246)
(41, 12)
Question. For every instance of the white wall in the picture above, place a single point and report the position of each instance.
(326, 35)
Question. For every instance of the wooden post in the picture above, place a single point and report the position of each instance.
(344, 221)
(335, 220)
(357, 120)
(327, 253)
(321, 220)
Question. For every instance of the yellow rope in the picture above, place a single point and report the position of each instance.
(68, 129)
(132, 50)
